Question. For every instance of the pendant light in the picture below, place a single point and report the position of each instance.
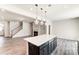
(45, 17)
(41, 22)
(36, 20)
(46, 14)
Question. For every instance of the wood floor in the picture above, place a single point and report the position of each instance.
(9, 46)
(18, 46)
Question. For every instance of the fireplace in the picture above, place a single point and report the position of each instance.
(35, 33)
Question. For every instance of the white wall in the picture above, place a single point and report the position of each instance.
(26, 31)
(47, 27)
(68, 29)
(2, 32)
(7, 29)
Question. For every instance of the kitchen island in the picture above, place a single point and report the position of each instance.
(41, 45)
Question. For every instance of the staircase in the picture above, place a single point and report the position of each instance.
(16, 29)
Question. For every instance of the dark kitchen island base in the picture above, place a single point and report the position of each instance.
(45, 49)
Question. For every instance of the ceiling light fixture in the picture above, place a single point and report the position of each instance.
(41, 22)
(45, 17)
(36, 20)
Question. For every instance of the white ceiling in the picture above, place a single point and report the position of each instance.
(6, 15)
(55, 12)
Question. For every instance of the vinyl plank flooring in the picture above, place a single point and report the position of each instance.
(66, 47)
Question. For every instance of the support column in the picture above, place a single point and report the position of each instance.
(7, 29)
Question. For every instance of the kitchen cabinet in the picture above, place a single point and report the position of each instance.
(33, 49)
(50, 46)
(42, 50)
(45, 49)
(54, 43)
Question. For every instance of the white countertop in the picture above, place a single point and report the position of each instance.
(39, 40)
